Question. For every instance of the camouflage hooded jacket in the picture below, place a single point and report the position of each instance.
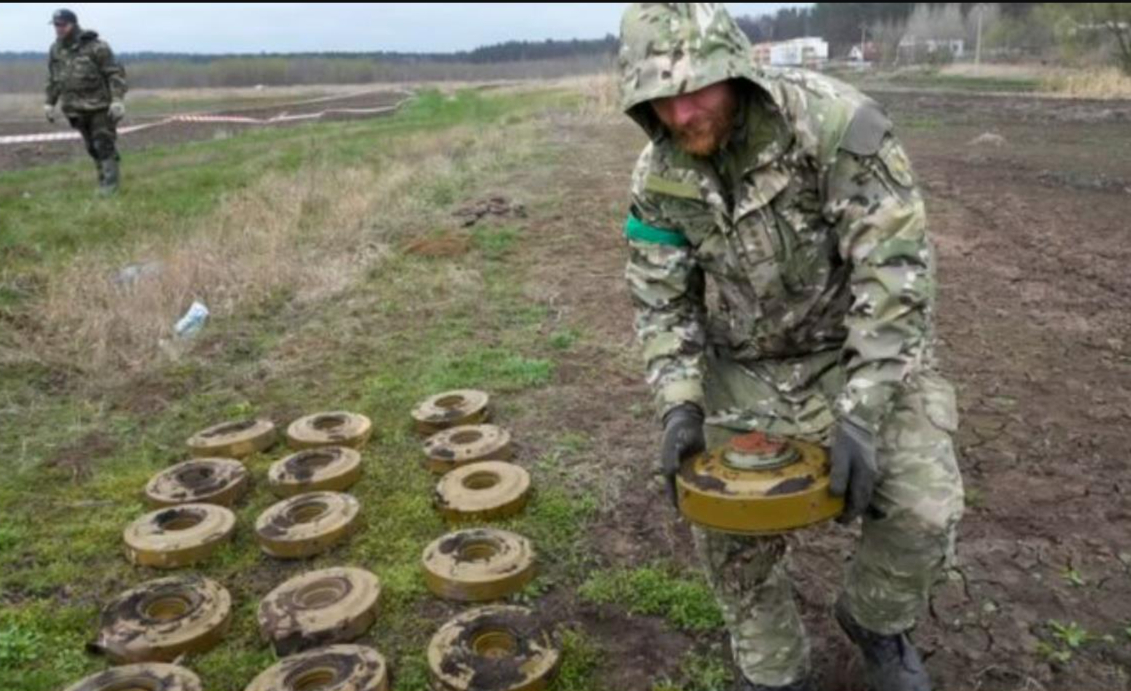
(83, 75)
(807, 222)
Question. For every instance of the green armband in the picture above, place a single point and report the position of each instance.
(635, 229)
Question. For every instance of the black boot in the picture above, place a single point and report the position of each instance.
(891, 663)
(745, 684)
(107, 176)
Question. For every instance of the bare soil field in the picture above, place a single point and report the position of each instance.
(1033, 232)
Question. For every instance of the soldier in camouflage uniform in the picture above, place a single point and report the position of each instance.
(789, 191)
(89, 85)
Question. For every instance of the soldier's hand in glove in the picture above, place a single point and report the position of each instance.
(683, 438)
(49, 112)
(854, 471)
(117, 111)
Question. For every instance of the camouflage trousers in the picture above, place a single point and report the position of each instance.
(99, 133)
(908, 532)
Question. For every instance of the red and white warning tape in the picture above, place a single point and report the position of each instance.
(233, 119)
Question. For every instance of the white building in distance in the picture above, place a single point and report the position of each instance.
(809, 51)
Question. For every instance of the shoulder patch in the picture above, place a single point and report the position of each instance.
(866, 131)
(671, 188)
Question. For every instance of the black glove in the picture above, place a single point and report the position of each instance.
(683, 438)
(854, 471)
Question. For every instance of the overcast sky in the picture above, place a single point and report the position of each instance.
(284, 27)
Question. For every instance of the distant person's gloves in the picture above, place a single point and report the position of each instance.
(49, 112)
(683, 438)
(854, 469)
(117, 111)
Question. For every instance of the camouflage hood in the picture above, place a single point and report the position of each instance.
(673, 48)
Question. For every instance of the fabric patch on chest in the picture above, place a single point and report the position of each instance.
(672, 188)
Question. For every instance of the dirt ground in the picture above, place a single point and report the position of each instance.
(1033, 239)
(19, 156)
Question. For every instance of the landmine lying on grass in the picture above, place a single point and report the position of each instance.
(307, 524)
(482, 491)
(325, 469)
(177, 536)
(334, 668)
(318, 608)
(500, 648)
(220, 481)
(144, 676)
(162, 619)
(457, 408)
(233, 439)
(337, 428)
(478, 564)
(459, 446)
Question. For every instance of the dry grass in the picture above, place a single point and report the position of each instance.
(312, 233)
(995, 71)
(599, 92)
(1098, 83)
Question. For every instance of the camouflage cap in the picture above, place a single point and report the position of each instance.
(64, 16)
(668, 49)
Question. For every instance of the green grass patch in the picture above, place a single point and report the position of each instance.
(76, 459)
(966, 83)
(496, 368)
(494, 242)
(686, 602)
(700, 672)
(564, 339)
(580, 661)
(49, 213)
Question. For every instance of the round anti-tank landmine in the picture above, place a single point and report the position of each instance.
(178, 536)
(755, 485)
(329, 429)
(220, 481)
(478, 564)
(162, 619)
(495, 648)
(333, 668)
(233, 439)
(324, 469)
(451, 409)
(307, 524)
(484, 490)
(319, 608)
(144, 676)
(459, 446)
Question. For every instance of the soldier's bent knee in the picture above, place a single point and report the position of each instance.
(102, 147)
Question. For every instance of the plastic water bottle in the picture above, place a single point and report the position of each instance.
(193, 321)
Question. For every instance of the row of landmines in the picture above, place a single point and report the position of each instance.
(310, 619)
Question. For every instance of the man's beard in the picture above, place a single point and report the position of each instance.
(706, 136)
